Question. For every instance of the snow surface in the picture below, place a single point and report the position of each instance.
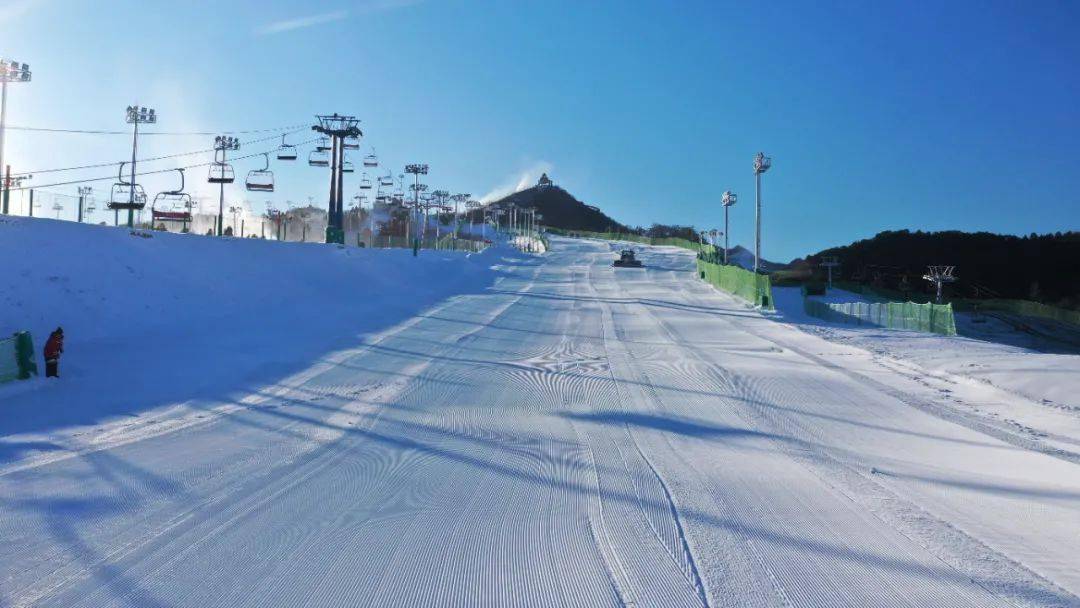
(1006, 376)
(572, 435)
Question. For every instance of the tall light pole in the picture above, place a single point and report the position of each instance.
(728, 199)
(416, 170)
(84, 191)
(761, 165)
(223, 144)
(136, 115)
(10, 71)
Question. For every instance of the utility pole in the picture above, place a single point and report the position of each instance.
(221, 173)
(84, 191)
(338, 128)
(10, 71)
(761, 165)
(728, 199)
(416, 170)
(136, 115)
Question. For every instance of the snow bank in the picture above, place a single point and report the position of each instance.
(152, 321)
(984, 363)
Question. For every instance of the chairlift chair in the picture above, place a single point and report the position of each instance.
(371, 160)
(286, 151)
(347, 167)
(319, 158)
(350, 142)
(172, 205)
(220, 172)
(365, 182)
(386, 180)
(125, 195)
(323, 145)
(261, 180)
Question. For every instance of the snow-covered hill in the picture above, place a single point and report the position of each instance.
(157, 319)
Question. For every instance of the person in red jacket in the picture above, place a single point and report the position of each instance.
(54, 347)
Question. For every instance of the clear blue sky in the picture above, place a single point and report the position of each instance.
(931, 115)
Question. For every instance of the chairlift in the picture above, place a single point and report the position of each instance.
(125, 195)
(371, 160)
(220, 172)
(323, 145)
(286, 151)
(365, 182)
(350, 142)
(387, 180)
(347, 167)
(319, 158)
(261, 180)
(172, 205)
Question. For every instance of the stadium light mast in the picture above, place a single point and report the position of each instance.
(728, 199)
(416, 170)
(762, 164)
(222, 143)
(10, 71)
(136, 116)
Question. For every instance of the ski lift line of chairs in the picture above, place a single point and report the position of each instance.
(261, 180)
(220, 172)
(172, 205)
(286, 151)
(126, 195)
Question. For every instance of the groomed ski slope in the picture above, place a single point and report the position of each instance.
(575, 435)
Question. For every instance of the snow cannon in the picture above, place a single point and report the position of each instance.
(627, 260)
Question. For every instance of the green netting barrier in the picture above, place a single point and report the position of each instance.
(752, 287)
(932, 318)
(17, 358)
(634, 238)
(1024, 307)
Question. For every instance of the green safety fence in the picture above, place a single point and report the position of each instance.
(752, 287)
(932, 318)
(634, 238)
(1024, 307)
(17, 358)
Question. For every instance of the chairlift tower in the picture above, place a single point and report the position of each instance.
(341, 130)
(84, 192)
(136, 115)
(10, 71)
(830, 262)
(416, 170)
(222, 144)
(728, 199)
(762, 164)
(939, 275)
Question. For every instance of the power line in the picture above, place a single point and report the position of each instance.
(143, 160)
(113, 177)
(105, 132)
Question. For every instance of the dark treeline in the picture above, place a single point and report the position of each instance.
(666, 231)
(1044, 268)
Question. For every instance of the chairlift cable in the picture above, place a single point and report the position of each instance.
(144, 160)
(174, 133)
(157, 171)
